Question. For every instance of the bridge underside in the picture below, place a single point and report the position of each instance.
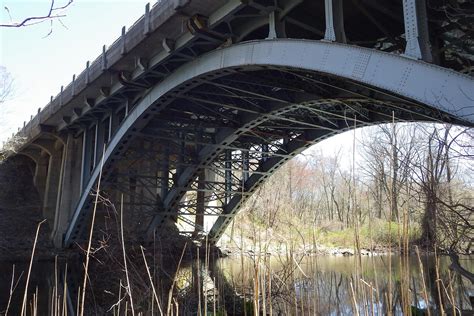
(192, 108)
(193, 158)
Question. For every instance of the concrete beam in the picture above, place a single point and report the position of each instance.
(86, 160)
(40, 176)
(53, 178)
(100, 140)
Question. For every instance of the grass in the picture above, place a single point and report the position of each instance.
(378, 234)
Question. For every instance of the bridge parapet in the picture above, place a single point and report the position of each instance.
(96, 74)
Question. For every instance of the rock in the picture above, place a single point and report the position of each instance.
(342, 252)
(365, 252)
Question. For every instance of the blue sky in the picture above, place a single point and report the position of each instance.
(41, 63)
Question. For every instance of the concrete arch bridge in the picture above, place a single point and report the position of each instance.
(188, 112)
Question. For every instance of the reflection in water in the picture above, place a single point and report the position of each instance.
(330, 285)
(287, 285)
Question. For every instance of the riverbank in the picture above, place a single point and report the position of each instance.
(319, 250)
(250, 237)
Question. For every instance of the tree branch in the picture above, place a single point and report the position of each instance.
(39, 19)
(456, 266)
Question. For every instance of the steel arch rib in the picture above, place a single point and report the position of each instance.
(437, 87)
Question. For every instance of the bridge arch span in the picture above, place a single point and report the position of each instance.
(219, 125)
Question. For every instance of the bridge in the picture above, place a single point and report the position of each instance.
(190, 110)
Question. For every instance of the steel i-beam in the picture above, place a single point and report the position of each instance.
(416, 30)
(334, 21)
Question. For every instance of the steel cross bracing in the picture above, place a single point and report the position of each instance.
(194, 163)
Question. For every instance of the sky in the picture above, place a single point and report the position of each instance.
(40, 63)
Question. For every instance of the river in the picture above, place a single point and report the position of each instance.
(288, 285)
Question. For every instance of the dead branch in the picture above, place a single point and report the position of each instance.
(32, 20)
(456, 266)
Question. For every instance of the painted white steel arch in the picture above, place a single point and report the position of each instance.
(437, 87)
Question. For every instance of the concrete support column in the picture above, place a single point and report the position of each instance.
(334, 21)
(93, 150)
(416, 30)
(88, 155)
(210, 176)
(114, 121)
(100, 140)
(70, 187)
(204, 200)
(52, 185)
(41, 175)
(108, 128)
(84, 160)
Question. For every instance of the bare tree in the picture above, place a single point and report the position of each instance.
(387, 157)
(430, 177)
(6, 93)
(329, 166)
(447, 213)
